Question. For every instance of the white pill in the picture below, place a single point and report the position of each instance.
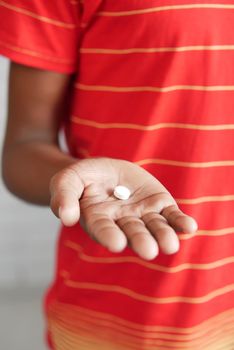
(122, 192)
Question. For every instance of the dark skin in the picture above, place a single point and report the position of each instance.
(36, 170)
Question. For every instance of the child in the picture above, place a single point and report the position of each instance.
(144, 91)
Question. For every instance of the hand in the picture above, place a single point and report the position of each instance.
(147, 221)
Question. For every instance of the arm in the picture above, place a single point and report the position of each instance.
(31, 155)
(35, 169)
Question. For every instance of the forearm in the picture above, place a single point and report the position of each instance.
(28, 168)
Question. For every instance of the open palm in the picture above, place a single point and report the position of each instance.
(147, 221)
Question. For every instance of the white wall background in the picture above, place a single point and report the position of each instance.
(27, 232)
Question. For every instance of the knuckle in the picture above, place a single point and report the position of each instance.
(153, 219)
(138, 234)
(56, 181)
(165, 231)
(127, 223)
(166, 197)
(101, 230)
(63, 178)
(162, 200)
(96, 224)
(151, 216)
(156, 221)
(171, 210)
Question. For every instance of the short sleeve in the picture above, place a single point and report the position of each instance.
(41, 34)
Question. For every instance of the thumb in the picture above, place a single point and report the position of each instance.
(66, 188)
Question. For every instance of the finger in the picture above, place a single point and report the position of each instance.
(66, 189)
(139, 237)
(178, 220)
(166, 237)
(106, 232)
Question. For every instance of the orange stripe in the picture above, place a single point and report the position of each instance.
(153, 127)
(209, 233)
(165, 8)
(146, 264)
(218, 163)
(89, 87)
(206, 199)
(148, 299)
(93, 50)
(35, 54)
(36, 16)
